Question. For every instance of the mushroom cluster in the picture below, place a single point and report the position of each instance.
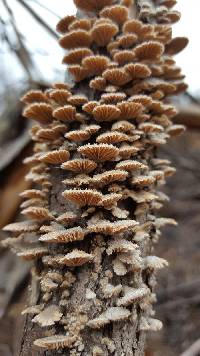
(98, 148)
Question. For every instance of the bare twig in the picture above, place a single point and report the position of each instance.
(38, 18)
(21, 51)
(194, 349)
(183, 290)
(46, 8)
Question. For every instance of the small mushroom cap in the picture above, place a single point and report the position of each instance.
(37, 213)
(76, 38)
(63, 24)
(64, 236)
(83, 197)
(92, 5)
(40, 112)
(149, 50)
(24, 226)
(102, 33)
(76, 55)
(34, 96)
(99, 152)
(106, 112)
(55, 157)
(48, 316)
(55, 342)
(117, 13)
(75, 258)
(133, 295)
(79, 165)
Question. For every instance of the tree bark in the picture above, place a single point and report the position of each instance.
(121, 338)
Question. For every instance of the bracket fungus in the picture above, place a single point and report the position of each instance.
(95, 176)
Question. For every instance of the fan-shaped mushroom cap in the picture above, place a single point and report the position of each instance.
(99, 152)
(110, 98)
(60, 96)
(119, 267)
(92, 129)
(106, 112)
(130, 110)
(133, 26)
(111, 314)
(154, 262)
(78, 72)
(55, 342)
(55, 157)
(98, 83)
(130, 165)
(76, 55)
(79, 165)
(149, 127)
(47, 135)
(133, 295)
(109, 200)
(150, 324)
(123, 126)
(77, 100)
(109, 177)
(61, 86)
(126, 151)
(120, 245)
(63, 24)
(32, 253)
(117, 13)
(78, 135)
(138, 70)
(76, 38)
(84, 24)
(40, 112)
(96, 63)
(175, 130)
(65, 113)
(34, 96)
(48, 316)
(102, 33)
(143, 181)
(83, 197)
(124, 56)
(64, 236)
(145, 100)
(149, 50)
(67, 217)
(176, 45)
(37, 213)
(117, 76)
(92, 5)
(89, 107)
(23, 226)
(127, 40)
(75, 258)
(33, 193)
(33, 202)
(112, 228)
(112, 137)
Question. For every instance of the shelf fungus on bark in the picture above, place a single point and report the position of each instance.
(110, 315)
(95, 175)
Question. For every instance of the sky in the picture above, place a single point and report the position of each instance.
(48, 54)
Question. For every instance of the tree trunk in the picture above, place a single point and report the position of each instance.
(84, 297)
